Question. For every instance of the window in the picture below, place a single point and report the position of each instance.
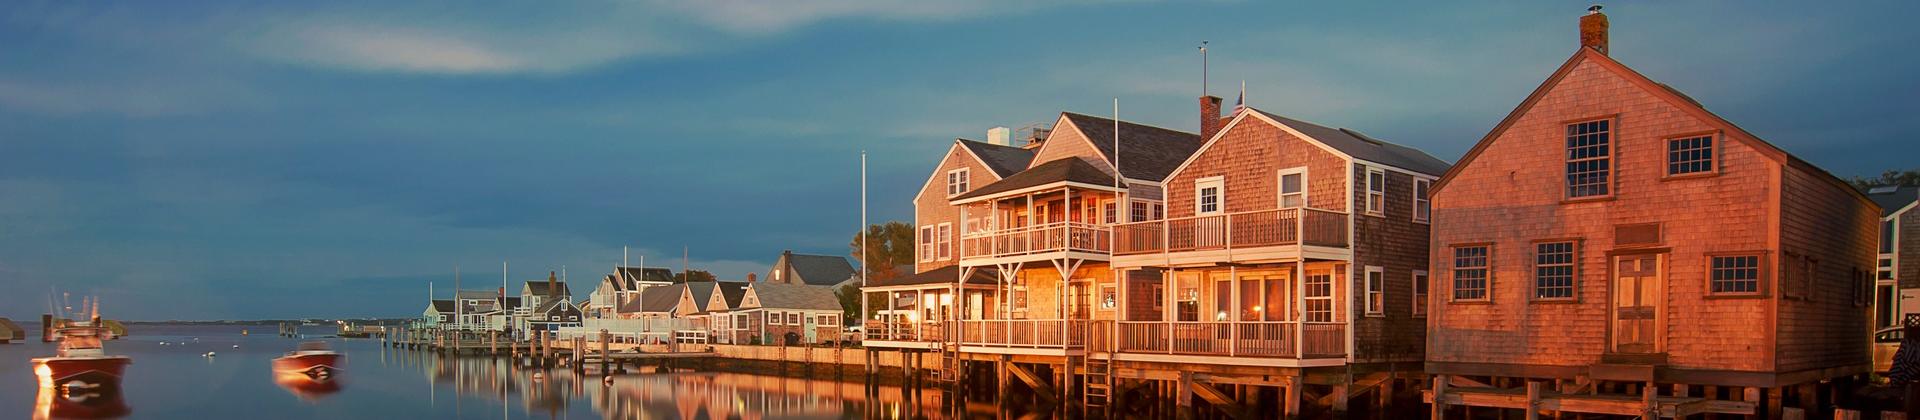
(1470, 272)
(1207, 195)
(1376, 291)
(1420, 293)
(1110, 212)
(1376, 191)
(957, 182)
(793, 318)
(740, 322)
(1293, 188)
(1319, 296)
(1553, 270)
(776, 318)
(1139, 210)
(1109, 296)
(1588, 158)
(1690, 155)
(1422, 207)
(1886, 236)
(926, 243)
(945, 236)
(1735, 274)
(1159, 211)
(1862, 287)
(829, 320)
(1796, 279)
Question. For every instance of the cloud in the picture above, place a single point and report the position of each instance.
(379, 47)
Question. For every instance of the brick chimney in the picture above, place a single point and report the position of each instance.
(751, 277)
(1209, 116)
(553, 284)
(1593, 30)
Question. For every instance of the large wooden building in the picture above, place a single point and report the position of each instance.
(1613, 247)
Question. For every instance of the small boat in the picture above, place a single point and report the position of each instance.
(312, 360)
(81, 377)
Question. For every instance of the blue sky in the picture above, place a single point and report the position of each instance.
(228, 159)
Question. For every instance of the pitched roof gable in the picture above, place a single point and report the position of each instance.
(795, 296)
(732, 292)
(1361, 146)
(1893, 199)
(1003, 160)
(1059, 170)
(817, 269)
(1659, 90)
(1146, 152)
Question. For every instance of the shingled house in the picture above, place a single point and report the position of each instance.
(620, 286)
(1897, 272)
(782, 313)
(818, 270)
(1611, 246)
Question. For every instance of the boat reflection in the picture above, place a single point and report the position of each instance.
(311, 372)
(306, 386)
(80, 400)
(682, 394)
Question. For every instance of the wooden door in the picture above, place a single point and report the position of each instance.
(1638, 293)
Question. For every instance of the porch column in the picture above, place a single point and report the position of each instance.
(1299, 307)
(893, 299)
(1233, 327)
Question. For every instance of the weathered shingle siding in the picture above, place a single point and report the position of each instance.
(1907, 254)
(1249, 156)
(1512, 195)
(1838, 230)
(1398, 245)
(932, 208)
(1070, 143)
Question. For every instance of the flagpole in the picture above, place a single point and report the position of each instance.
(863, 241)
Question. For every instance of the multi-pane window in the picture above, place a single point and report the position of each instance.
(1139, 211)
(1690, 155)
(1376, 192)
(1111, 211)
(945, 238)
(1735, 274)
(1422, 207)
(1470, 272)
(1159, 211)
(1589, 147)
(1553, 270)
(793, 318)
(1319, 296)
(1376, 291)
(957, 182)
(1420, 293)
(1293, 188)
(1206, 193)
(926, 243)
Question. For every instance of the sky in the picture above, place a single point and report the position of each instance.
(219, 160)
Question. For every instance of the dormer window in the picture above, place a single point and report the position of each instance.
(957, 182)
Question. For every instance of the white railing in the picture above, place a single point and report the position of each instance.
(905, 331)
(1024, 333)
(1233, 230)
(1284, 339)
(1051, 237)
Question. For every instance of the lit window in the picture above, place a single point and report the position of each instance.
(1736, 274)
(1690, 155)
(1553, 270)
(1422, 207)
(957, 182)
(1588, 152)
(1293, 188)
(1470, 272)
(1206, 193)
(1376, 192)
(1419, 293)
(1376, 291)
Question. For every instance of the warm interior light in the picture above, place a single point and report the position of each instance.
(45, 373)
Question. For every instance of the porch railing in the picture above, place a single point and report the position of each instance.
(1051, 237)
(1284, 339)
(1024, 333)
(1251, 229)
(905, 331)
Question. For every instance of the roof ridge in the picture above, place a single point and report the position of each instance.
(1131, 123)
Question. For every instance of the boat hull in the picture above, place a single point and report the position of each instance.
(88, 370)
(315, 367)
(80, 387)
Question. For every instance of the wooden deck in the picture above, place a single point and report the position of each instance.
(1535, 398)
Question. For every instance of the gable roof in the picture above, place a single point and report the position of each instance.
(816, 269)
(442, 305)
(1659, 90)
(655, 299)
(795, 296)
(1361, 146)
(701, 292)
(1059, 170)
(1003, 160)
(629, 276)
(942, 275)
(556, 304)
(539, 288)
(1146, 152)
(1892, 199)
(509, 302)
(732, 291)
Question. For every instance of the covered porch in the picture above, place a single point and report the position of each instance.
(1061, 209)
(1287, 310)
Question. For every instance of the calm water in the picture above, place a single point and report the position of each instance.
(176, 381)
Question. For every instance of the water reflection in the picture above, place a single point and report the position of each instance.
(681, 394)
(78, 400)
(306, 385)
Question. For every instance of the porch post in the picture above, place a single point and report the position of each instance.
(1299, 307)
(893, 298)
(1167, 280)
(1233, 327)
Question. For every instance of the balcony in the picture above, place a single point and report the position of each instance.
(1234, 231)
(1024, 333)
(1290, 340)
(1070, 237)
(931, 332)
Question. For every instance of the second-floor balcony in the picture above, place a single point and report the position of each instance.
(1305, 227)
(1037, 239)
(1060, 334)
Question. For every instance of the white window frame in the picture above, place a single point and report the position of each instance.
(1376, 193)
(1219, 186)
(1280, 184)
(944, 234)
(1110, 212)
(1140, 210)
(1420, 298)
(926, 243)
(774, 318)
(1376, 283)
(958, 182)
(1422, 200)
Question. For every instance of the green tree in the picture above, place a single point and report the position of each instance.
(696, 275)
(889, 245)
(1891, 177)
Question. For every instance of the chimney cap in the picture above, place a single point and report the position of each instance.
(1595, 8)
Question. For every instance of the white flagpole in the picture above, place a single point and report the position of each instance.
(456, 297)
(863, 240)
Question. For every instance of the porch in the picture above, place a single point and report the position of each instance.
(1265, 311)
(1058, 221)
(1252, 236)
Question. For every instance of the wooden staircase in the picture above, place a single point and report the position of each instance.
(1097, 389)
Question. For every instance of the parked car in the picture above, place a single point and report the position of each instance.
(1885, 343)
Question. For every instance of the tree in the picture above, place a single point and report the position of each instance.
(849, 295)
(697, 275)
(1889, 178)
(889, 245)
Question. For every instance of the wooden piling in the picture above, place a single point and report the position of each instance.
(604, 354)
